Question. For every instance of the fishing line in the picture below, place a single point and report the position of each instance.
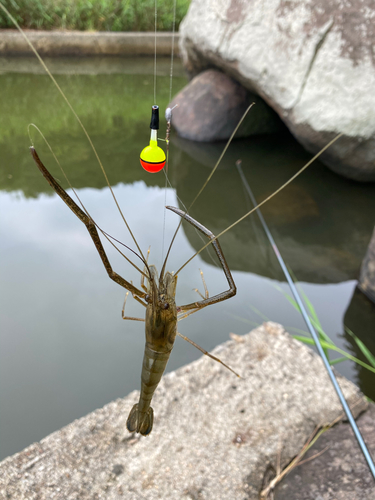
(156, 20)
(164, 212)
(168, 117)
(172, 52)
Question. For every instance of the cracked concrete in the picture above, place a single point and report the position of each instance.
(87, 43)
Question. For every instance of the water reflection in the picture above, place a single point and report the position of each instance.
(64, 348)
(321, 222)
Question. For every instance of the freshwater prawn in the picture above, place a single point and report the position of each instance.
(158, 296)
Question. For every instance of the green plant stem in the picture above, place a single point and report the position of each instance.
(332, 347)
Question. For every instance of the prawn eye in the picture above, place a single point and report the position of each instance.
(148, 298)
(165, 305)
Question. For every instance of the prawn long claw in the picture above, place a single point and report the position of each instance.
(215, 243)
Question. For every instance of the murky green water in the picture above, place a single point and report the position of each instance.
(64, 348)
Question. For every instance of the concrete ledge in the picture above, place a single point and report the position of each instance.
(80, 43)
(214, 437)
(93, 65)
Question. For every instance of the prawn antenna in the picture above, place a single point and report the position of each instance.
(264, 201)
(106, 235)
(75, 115)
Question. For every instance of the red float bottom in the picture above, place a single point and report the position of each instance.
(153, 168)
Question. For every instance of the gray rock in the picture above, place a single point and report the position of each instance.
(212, 104)
(367, 277)
(312, 62)
(214, 435)
(360, 319)
(340, 465)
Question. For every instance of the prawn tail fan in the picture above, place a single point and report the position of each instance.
(139, 421)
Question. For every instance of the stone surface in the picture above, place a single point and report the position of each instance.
(367, 277)
(340, 472)
(81, 43)
(311, 61)
(214, 435)
(360, 319)
(212, 104)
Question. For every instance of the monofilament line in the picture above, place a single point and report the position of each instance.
(172, 50)
(170, 98)
(156, 22)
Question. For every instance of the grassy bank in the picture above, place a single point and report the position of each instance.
(98, 15)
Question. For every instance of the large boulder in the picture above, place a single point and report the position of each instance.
(367, 277)
(360, 319)
(311, 61)
(211, 105)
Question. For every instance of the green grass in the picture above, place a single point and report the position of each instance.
(98, 15)
(326, 342)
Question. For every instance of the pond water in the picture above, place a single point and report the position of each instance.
(65, 349)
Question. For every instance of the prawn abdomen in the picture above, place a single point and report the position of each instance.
(141, 416)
